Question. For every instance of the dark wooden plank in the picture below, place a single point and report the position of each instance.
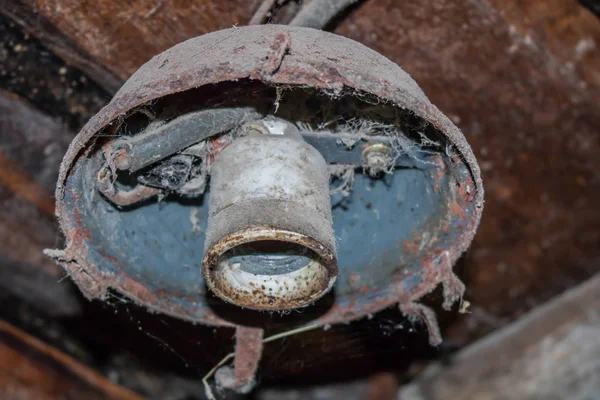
(18, 182)
(30, 70)
(566, 33)
(592, 5)
(25, 271)
(551, 353)
(31, 369)
(24, 13)
(120, 36)
(32, 143)
(31, 148)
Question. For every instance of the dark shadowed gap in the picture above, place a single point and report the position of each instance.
(592, 5)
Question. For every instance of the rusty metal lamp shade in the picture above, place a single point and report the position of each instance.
(134, 192)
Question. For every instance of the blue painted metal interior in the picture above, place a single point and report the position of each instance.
(161, 244)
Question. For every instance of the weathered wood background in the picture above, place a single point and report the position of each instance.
(521, 78)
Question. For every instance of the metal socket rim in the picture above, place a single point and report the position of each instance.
(286, 291)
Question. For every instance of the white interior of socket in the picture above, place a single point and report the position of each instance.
(277, 275)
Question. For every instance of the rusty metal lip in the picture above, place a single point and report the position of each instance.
(280, 64)
(95, 285)
(259, 299)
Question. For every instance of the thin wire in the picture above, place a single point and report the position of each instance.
(261, 13)
(318, 13)
(208, 390)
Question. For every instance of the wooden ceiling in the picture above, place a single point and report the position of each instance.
(520, 78)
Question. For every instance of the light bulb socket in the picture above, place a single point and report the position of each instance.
(270, 243)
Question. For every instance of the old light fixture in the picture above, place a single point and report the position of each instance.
(263, 164)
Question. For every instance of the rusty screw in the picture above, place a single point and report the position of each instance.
(376, 158)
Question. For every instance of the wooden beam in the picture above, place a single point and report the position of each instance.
(111, 39)
(592, 5)
(32, 71)
(18, 182)
(32, 369)
(564, 31)
(551, 353)
(25, 271)
(31, 148)
(24, 13)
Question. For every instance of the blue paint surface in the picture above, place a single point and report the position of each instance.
(161, 244)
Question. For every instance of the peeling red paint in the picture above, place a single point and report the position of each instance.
(217, 145)
(457, 210)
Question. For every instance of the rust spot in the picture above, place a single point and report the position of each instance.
(457, 210)
(412, 246)
(353, 280)
(23, 186)
(217, 145)
(277, 51)
(438, 173)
